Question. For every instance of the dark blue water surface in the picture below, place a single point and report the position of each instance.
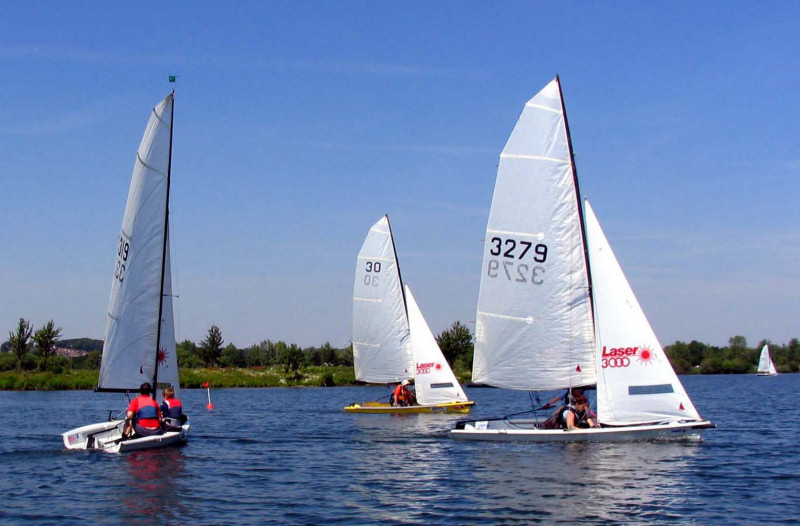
(293, 456)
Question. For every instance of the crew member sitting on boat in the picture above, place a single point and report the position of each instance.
(144, 415)
(577, 415)
(172, 411)
(402, 395)
(566, 396)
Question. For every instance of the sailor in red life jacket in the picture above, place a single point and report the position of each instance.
(402, 395)
(172, 411)
(144, 414)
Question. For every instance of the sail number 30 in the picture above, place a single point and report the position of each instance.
(373, 269)
(516, 270)
(122, 259)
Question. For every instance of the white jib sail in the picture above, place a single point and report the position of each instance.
(635, 381)
(129, 349)
(534, 321)
(765, 364)
(381, 342)
(434, 381)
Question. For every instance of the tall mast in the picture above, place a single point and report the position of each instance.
(577, 196)
(164, 248)
(397, 264)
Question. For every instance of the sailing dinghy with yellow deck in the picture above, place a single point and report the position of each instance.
(555, 310)
(391, 340)
(139, 343)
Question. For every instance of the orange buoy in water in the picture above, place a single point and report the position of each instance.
(208, 390)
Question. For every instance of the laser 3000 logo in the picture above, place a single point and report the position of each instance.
(622, 356)
(425, 368)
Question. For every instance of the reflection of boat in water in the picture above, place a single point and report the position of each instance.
(391, 340)
(139, 344)
(766, 367)
(583, 482)
(151, 486)
(555, 310)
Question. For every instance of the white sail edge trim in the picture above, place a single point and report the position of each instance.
(367, 344)
(529, 319)
(368, 299)
(539, 236)
(533, 157)
(139, 158)
(540, 107)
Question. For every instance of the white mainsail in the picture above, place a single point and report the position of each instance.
(381, 341)
(434, 380)
(534, 321)
(635, 381)
(132, 323)
(766, 367)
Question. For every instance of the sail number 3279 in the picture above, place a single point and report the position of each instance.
(511, 265)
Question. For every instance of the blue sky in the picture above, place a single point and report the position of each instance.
(298, 124)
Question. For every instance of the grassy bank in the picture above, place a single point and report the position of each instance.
(190, 378)
(322, 376)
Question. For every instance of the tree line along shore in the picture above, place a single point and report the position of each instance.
(39, 359)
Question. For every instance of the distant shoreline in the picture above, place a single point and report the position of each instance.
(217, 378)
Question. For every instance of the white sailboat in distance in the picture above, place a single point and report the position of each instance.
(766, 367)
(392, 342)
(555, 310)
(139, 343)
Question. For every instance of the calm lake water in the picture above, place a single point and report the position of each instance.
(293, 456)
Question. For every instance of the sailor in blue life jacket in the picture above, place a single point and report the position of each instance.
(172, 411)
(577, 415)
(144, 415)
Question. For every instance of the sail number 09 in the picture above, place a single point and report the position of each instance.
(122, 258)
(373, 268)
(516, 250)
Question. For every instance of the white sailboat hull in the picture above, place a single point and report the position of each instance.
(526, 431)
(107, 436)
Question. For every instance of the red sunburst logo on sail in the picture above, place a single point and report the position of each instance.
(645, 356)
(438, 367)
(162, 356)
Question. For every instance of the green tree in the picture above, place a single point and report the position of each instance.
(211, 347)
(737, 343)
(93, 360)
(20, 341)
(232, 357)
(292, 358)
(455, 342)
(188, 355)
(45, 340)
(697, 351)
(345, 356)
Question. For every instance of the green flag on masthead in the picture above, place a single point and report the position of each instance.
(172, 78)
